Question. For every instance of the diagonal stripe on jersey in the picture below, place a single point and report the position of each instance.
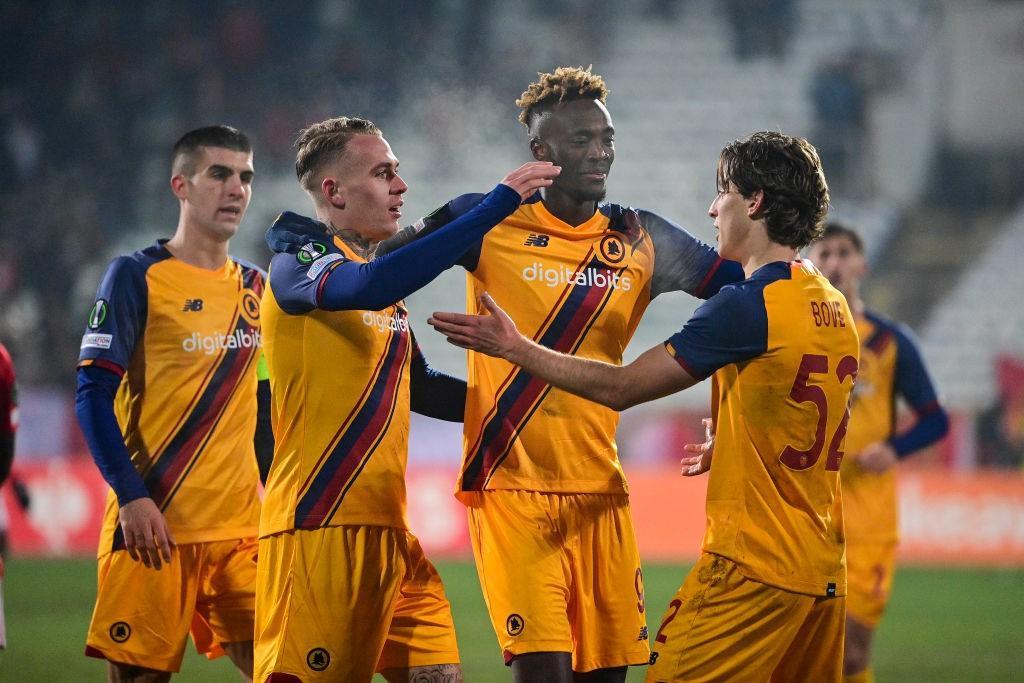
(360, 434)
(520, 394)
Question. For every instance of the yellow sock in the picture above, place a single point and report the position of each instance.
(865, 676)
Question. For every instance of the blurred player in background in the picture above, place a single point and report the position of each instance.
(890, 367)
(548, 503)
(344, 588)
(8, 428)
(167, 401)
(764, 601)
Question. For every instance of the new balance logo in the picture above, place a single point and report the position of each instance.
(193, 305)
(537, 240)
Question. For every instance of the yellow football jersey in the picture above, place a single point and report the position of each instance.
(340, 387)
(186, 342)
(580, 290)
(783, 348)
(890, 366)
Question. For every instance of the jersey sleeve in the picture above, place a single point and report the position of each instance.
(118, 317)
(298, 278)
(730, 327)
(913, 382)
(684, 263)
(436, 220)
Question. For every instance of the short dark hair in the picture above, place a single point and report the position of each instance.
(789, 172)
(567, 83)
(837, 229)
(324, 143)
(185, 151)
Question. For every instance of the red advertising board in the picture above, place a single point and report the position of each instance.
(946, 519)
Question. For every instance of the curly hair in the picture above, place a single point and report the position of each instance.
(789, 172)
(324, 143)
(565, 84)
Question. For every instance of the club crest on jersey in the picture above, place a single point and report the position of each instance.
(310, 252)
(250, 306)
(515, 624)
(612, 249)
(98, 314)
(318, 659)
(120, 631)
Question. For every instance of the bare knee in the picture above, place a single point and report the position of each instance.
(857, 647)
(436, 673)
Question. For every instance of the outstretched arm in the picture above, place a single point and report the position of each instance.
(330, 281)
(653, 375)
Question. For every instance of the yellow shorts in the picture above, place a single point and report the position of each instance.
(721, 626)
(561, 573)
(869, 571)
(142, 615)
(340, 603)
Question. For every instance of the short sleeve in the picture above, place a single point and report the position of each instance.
(730, 327)
(297, 279)
(118, 317)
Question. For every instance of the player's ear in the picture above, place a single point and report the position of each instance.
(178, 183)
(755, 204)
(540, 149)
(332, 193)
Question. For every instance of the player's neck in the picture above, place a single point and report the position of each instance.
(197, 248)
(770, 253)
(566, 209)
(363, 247)
(852, 294)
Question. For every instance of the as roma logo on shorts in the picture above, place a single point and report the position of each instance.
(318, 659)
(120, 631)
(251, 306)
(613, 249)
(515, 624)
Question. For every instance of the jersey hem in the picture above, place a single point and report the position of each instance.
(815, 588)
(547, 486)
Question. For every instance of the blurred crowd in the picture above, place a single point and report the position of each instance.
(94, 94)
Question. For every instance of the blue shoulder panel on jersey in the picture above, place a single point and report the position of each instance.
(684, 263)
(249, 266)
(912, 381)
(118, 317)
(730, 327)
(298, 277)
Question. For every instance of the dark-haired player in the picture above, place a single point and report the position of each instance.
(344, 589)
(548, 503)
(890, 367)
(167, 400)
(764, 601)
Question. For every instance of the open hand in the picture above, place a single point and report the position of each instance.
(699, 461)
(494, 334)
(877, 457)
(530, 177)
(146, 534)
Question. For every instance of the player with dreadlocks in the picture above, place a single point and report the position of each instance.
(548, 504)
